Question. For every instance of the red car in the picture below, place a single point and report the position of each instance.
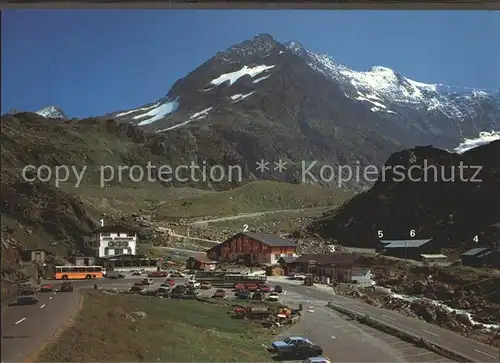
(265, 288)
(47, 288)
(158, 274)
(252, 287)
(239, 287)
(220, 294)
(170, 282)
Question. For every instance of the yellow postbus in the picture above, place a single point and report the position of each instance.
(78, 272)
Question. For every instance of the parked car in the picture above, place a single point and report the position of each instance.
(177, 274)
(264, 288)
(137, 288)
(170, 282)
(278, 289)
(238, 287)
(299, 350)
(27, 297)
(67, 286)
(163, 289)
(205, 285)
(158, 274)
(257, 296)
(220, 293)
(289, 341)
(317, 360)
(136, 272)
(243, 295)
(295, 347)
(299, 277)
(147, 282)
(273, 296)
(47, 288)
(115, 275)
(252, 287)
(194, 284)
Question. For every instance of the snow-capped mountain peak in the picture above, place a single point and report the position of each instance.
(52, 112)
(392, 90)
(261, 73)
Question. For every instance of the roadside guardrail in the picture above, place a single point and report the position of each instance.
(408, 337)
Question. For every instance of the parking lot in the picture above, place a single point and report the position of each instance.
(341, 338)
(346, 340)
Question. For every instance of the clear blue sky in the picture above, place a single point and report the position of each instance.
(91, 62)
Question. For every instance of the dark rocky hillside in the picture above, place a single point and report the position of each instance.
(452, 213)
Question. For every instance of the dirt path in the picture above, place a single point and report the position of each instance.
(258, 214)
(193, 238)
(178, 249)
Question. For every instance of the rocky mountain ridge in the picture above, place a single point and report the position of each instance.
(409, 110)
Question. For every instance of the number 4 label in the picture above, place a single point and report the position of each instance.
(476, 238)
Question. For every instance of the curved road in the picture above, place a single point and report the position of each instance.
(26, 328)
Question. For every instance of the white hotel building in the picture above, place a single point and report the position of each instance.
(108, 241)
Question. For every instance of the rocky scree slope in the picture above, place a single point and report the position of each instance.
(272, 100)
(452, 213)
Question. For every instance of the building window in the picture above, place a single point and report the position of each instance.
(105, 234)
(130, 234)
(277, 256)
(106, 251)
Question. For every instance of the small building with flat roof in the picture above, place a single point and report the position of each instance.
(481, 257)
(435, 259)
(410, 249)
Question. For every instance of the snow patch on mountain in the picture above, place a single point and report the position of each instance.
(158, 112)
(201, 113)
(483, 138)
(232, 77)
(194, 117)
(121, 114)
(182, 123)
(240, 97)
(261, 78)
(378, 106)
(52, 112)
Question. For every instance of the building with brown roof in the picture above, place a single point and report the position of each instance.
(336, 266)
(253, 248)
(200, 262)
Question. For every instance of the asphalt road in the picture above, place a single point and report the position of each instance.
(476, 351)
(26, 328)
(323, 326)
